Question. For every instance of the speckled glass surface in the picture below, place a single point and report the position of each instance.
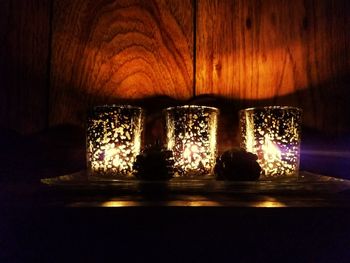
(273, 133)
(191, 135)
(113, 140)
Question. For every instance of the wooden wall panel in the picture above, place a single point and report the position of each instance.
(277, 52)
(106, 51)
(24, 51)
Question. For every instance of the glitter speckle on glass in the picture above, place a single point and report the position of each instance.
(113, 140)
(273, 133)
(191, 135)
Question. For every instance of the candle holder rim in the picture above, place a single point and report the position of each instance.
(125, 106)
(192, 106)
(271, 107)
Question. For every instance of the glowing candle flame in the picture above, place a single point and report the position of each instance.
(271, 151)
(110, 151)
(193, 156)
(190, 150)
(113, 140)
(117, 162)
(191, 135)
(273, 134)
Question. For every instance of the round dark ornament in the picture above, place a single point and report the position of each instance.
(237, 165)
(154, 163)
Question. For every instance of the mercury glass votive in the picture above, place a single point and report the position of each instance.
(191, 134)
(273, 134)
(113, 140)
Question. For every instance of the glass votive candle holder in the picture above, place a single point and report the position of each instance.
(191, 133)
(113, 140)
(273, 134)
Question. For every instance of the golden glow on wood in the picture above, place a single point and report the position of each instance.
(277, 53)
(107, 51)
(254, 76)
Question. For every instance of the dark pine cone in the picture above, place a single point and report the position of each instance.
(155, 163)
(237, 165)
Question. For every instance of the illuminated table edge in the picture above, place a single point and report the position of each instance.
(310, 190)
(81, 179)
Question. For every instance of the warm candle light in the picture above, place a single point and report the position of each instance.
(271, 152)
(273, 133)
(191, 135)
(113, 140)
(193, 155)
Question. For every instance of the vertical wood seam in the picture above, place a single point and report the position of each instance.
(49, 64)
(194, 65)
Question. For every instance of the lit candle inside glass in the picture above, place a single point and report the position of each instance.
(271, 152)
(273, 133)
(113, 140)
(191, 135)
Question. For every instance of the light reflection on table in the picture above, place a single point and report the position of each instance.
(272, 202)
(309, 190)
(202, 201)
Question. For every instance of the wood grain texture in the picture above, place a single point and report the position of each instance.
(106, 51)
(278, 52)
(24, 51)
